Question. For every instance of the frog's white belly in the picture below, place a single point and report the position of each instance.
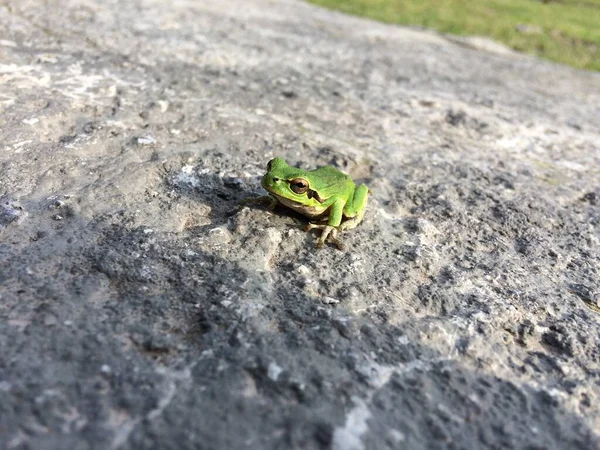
(308, 211)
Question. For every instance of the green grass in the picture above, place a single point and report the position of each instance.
(566, 31)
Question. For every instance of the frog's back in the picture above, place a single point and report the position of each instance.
(328, 179)
(330, 173)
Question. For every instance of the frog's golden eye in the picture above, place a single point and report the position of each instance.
(299, 185)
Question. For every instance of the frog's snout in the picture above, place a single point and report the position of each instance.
(264, 182)
(268, 181)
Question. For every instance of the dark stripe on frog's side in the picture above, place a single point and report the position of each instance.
(315, 195)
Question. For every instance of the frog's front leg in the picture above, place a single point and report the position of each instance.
(330, 230)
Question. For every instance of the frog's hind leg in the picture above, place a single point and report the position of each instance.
(355, 212)
(352, 214)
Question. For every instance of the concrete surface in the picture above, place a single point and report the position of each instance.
(141, 307)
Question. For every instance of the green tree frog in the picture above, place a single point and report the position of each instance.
(328, 197)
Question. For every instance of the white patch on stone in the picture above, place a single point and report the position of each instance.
(349, 437)
(403, 340)
(377, 375)
(396, 436)
(572, 165)
(219, 235)
(146, 140)
(164, 105)
(302, 269)
(274, 371)
(187, 176)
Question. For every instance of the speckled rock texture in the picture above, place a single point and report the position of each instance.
(142, 307)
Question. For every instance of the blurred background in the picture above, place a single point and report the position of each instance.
(565, 31)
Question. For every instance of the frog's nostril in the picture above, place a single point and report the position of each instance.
(275, 180)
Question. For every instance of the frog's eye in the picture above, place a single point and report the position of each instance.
(299, 185)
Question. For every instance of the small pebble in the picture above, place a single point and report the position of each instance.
(146, 140)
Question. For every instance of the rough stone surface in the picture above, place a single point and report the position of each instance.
(140, 307)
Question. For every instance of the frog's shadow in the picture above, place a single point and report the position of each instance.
(227, 197)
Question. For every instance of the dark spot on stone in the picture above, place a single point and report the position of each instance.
(524, 331)
(427, 103)
(433, 299)
(10, 211)
(585, 400)
(558, 342)
(504, 181)
(343, 327)
(233, 182)
(37, 236)
(590, 198)
(368, 330)
(456, 118)
(323, 434)
(88, 128)
(462, 345)
(65, 139)
(411, 252)
(446, 275)
(411, 225)
(582, 291)
(524, 245)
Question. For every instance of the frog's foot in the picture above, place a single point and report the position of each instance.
(352, 222)
(329, 234)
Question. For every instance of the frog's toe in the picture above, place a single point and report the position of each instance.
(320, 242)
(333, 238)
(315, 226)
(329, 234)
(327, 230)
(339, 244)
